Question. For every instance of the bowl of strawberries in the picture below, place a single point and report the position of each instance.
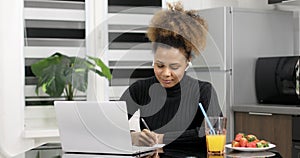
(249, 142)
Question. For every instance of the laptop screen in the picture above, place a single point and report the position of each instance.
(93, 127)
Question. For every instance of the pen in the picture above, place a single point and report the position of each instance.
(145, 124)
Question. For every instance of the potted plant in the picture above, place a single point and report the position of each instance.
(58, 74)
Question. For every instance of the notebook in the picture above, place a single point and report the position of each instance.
(96, 127)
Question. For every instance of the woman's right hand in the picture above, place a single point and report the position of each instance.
(144, 138)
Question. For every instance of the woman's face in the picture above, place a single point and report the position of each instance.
(169, 66)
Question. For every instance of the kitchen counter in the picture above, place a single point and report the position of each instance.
(271, 122)
(268, 109)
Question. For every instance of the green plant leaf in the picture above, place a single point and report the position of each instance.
(38, 67)
(79, 74)
(60, 72)
(105, 70)
(50, 74)
(97, 72)
(52, 80)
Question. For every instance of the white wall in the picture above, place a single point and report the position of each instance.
(12, 79)
(256, 4)
(294, 6)
(202, 4)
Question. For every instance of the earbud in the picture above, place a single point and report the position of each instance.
(188, 66)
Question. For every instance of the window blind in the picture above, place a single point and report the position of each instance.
(130, 54)
(51, 26)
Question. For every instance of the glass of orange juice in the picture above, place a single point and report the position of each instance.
(215, 131)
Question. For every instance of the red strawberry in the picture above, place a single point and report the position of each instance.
(235, 144)
(251, 144)
(243, 142)
(239, 136)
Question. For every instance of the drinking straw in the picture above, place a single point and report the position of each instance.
(206, 118)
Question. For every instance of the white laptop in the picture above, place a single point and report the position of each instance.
(96, 128)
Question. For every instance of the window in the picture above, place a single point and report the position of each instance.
(127, 25)
(50, 26)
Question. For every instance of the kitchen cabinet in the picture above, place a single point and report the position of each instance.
(276, 128)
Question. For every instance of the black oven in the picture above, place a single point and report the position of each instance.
(277, 80)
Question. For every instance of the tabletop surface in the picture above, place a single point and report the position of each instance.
(55, 151)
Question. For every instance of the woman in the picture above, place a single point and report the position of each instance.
(168, 102)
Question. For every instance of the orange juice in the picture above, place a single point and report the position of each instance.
(215, 143)
(215, 156)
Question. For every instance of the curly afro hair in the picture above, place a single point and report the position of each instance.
(175, 27)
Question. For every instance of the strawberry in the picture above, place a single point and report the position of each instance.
(243, 142)
(256, 140)
(251, 145)
(235, 144)
(239, 136)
